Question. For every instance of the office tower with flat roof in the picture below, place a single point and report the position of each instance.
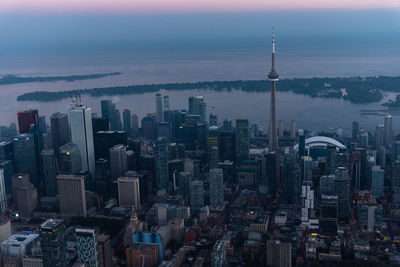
(194, 105)
(8, 168)
(227, 145)
(325, 184)
(109, 111)
(127, 120)
(216, 179)
(16, 247)
(86, 247)
(70, 159)
(59, 130)
(164, 130)
(135, 126)
(49, 163)
(281, 128)
(196, 195)
(302, 144)
(71, 194)
(159, 109)
(329, 214)
(388, 131)
(26, 119)
(6, 151)
(227, 125)
(377, 184)
(341, 188)
(100, 124)
(118, 161)
(3, 195)
(54, 243)
(242, 140)
(166, 103)
(104, 140)
(272, 172)
(291, 178)
(26, 158)
(279, 254)
(273, 77)
(162, 174)
(293, 129)
(355, 131)
(331, 159)
(306, 168)
(129, 192)
(149, 127)
(379, 136)
(82, 135)
(104, 250)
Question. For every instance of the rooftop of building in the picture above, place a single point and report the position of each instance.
(51, 224)
(19, 240)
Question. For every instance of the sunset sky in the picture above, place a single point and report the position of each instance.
(161, 6)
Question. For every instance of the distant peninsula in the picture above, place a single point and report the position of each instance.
(13, 79)
(353, 89)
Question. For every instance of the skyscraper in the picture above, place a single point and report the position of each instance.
(196, 195)
(197, 106)
(71, 194)
(377, 181)
(82, 135)
(341, 188)
(355, 131)
(70, 159)
(306, 168)
(302, 144)
(118, 161)
(159, 109)
(379, 136)
(127, 119)
(3, 196)
(216, 188)
(293, 129)
(26, 119)
(273, 77)
(129, 192)
(54, 243)
(387, 131)
(25, 155)
(59, 131)
(242, 140)
(86, 247)
(162, 176)
(49, 172)
(166, 103)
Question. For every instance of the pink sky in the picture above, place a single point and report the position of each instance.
(189, 5)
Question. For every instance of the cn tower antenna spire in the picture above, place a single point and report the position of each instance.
(273, 77)
(273, 40)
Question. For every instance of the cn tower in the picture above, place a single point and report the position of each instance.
(273, 77)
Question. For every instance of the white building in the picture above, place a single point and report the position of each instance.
(82, 135)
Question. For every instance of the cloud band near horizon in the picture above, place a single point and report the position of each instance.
(182, 6)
